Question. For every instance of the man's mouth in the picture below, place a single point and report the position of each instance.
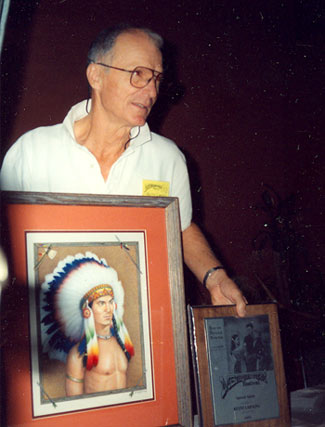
(142, 106)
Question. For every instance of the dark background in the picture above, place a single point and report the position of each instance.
(244, 100)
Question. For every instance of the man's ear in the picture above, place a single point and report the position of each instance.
(94, 76)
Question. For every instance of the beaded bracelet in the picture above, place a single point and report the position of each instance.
(209, 272)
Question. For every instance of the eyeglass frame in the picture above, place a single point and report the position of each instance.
(155, 74)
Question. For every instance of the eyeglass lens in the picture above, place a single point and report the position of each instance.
(141, 76)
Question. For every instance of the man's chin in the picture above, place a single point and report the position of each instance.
(106, 322)
(139, 121)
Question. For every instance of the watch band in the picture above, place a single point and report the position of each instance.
(209, 272)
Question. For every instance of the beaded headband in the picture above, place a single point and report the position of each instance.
(97, 292)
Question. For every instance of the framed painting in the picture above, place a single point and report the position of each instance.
(95, 322)
(238, 367)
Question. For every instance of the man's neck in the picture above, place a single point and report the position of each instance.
(104, 337)
(107, 143)
(100, 136)
(103, 330)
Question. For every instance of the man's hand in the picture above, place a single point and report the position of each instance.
(224, 291)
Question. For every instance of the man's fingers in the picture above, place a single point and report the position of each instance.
(241, 308)
(225, 295)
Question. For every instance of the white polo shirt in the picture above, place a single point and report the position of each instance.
(48, 159)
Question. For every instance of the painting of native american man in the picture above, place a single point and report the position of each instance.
(82, 307)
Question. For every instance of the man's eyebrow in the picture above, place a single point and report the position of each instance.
(100, 300)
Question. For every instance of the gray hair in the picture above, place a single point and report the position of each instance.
(106, 39)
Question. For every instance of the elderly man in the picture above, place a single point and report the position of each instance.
(82, 306)
(104, 146)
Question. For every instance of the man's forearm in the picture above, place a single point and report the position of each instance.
(199, 257)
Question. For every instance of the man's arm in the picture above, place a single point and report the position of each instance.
(75, 372)
(199, 257)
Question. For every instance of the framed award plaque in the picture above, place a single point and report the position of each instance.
(238, 367)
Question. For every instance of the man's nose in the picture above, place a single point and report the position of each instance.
(151, 88)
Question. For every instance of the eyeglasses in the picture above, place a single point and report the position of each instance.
(140, 76)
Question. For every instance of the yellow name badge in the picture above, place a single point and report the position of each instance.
(155, 188)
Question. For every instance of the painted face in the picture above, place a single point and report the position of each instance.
(123, 104)
(249, 330)
(103, 310)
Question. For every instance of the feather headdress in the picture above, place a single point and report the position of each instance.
(66, 313)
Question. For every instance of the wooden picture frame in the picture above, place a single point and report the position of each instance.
(34, 220)
(238, 367)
